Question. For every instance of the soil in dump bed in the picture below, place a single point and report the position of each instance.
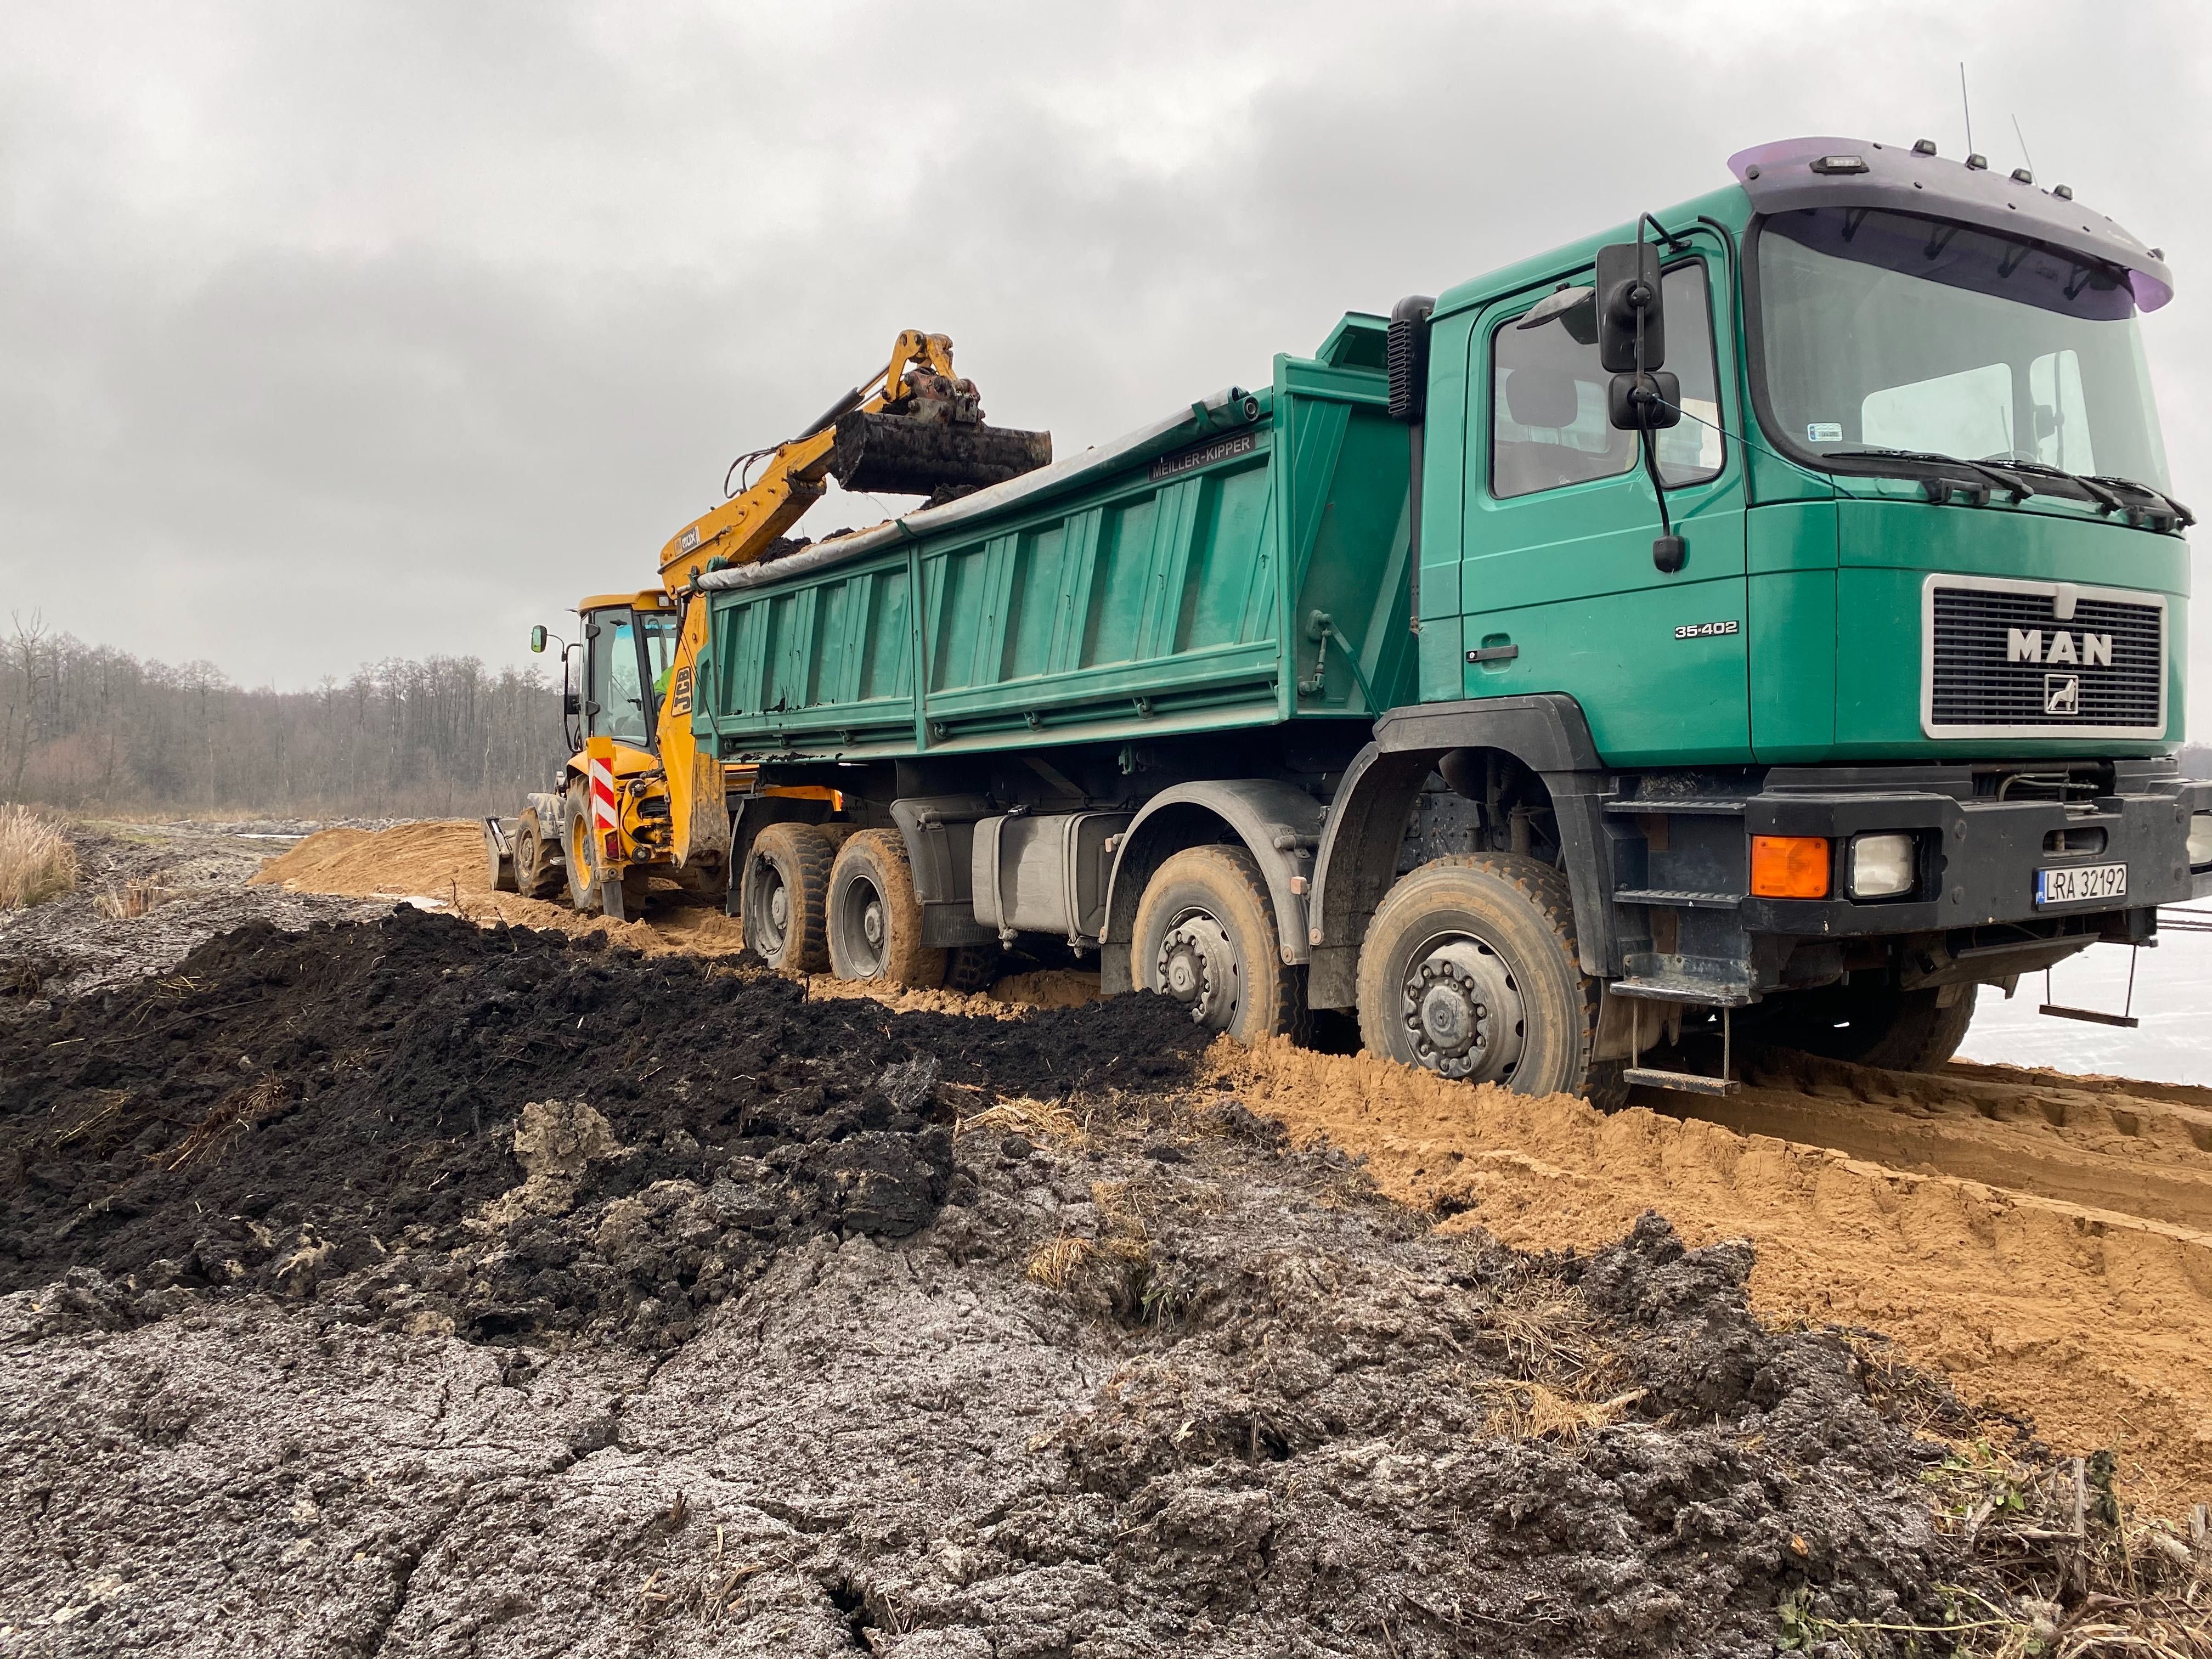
(286, 1108)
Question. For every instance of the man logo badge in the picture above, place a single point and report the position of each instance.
(2061, 693)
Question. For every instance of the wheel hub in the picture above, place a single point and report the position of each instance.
(1463, 1010)
(776, 905)
(871, 922)
(1197, 965)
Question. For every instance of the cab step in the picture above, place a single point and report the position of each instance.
(1652, 1077)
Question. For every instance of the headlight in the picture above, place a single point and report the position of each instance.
(2200, 840)
(1881, 866)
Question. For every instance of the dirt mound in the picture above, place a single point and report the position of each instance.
(439, 864)
(287, 1109)
(2094, 1324)
(435, 859)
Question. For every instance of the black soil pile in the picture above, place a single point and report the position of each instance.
(501, 1131)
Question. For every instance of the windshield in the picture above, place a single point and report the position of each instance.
(1887, 331)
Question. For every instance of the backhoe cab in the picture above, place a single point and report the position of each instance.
(638, 798)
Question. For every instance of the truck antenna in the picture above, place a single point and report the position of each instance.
(2022, 136)
(1968, 107)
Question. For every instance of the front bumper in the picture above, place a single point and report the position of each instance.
(1979, 856)
(1687, 928)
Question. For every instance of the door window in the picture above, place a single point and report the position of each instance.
(2061, 412)
(1548, 426)
(660, 629)
(617, 697)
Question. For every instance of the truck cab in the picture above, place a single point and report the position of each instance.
(1890, 713)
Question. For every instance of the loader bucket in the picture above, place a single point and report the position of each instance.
(917, 455)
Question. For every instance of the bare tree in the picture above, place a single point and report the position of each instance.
(87, 726)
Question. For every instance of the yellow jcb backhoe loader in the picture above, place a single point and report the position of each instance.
(637, 797)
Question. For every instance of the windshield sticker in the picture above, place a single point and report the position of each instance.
(1824, 432)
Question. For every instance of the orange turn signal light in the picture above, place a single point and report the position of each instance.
(1789, 867)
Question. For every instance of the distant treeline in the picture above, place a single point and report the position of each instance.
(91, 728)
(88, 727)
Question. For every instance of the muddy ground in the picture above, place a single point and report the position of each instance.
(444, 1322)
(182, 882)
(412, 1287)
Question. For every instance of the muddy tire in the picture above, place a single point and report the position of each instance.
(1893, 1031)
(1470, 970)
(786, 899)
(875, 920)
(1205, 934)
(581, 848)
(971, 969)
(538, 869)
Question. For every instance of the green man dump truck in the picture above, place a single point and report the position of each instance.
(1765, 620)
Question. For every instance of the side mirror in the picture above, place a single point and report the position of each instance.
(1627, 292)
(538, 639)
(1645, 402)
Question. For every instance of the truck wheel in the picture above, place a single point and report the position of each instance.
(1469, 971)
(971, 969)
(537, 865)
(1894, 1031)
(875, 920)
(583, 852)
(786, 897)
(1205, 934)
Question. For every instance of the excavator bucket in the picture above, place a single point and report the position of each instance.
(920, 454)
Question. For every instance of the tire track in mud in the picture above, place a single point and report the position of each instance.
(2094, 1322)
(2105, 1147)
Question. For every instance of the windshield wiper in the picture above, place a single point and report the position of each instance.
(2103, 487)
(1996, 474)
(2182, 516)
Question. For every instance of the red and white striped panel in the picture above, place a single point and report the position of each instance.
(603, 816)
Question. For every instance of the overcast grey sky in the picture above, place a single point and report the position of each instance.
(329, 332)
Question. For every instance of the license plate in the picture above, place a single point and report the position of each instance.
(2083, 882)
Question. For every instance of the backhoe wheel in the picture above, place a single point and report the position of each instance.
(536, 858)
(1205, 935)
(875, 920)
(971, 969)
(1895, 1030)
(582, 846)
(785, 900)
(1469, 971)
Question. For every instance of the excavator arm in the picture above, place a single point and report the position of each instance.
(911, 428)
(914, 428)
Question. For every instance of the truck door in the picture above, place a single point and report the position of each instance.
(1557, 583)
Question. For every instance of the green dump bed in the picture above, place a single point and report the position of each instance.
(1171, 582)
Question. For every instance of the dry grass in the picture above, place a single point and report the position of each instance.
(1039, 1119)
(133, 898)
(235, 1113)
(1114, 1269)
(37, 863)
(1530, 1411)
